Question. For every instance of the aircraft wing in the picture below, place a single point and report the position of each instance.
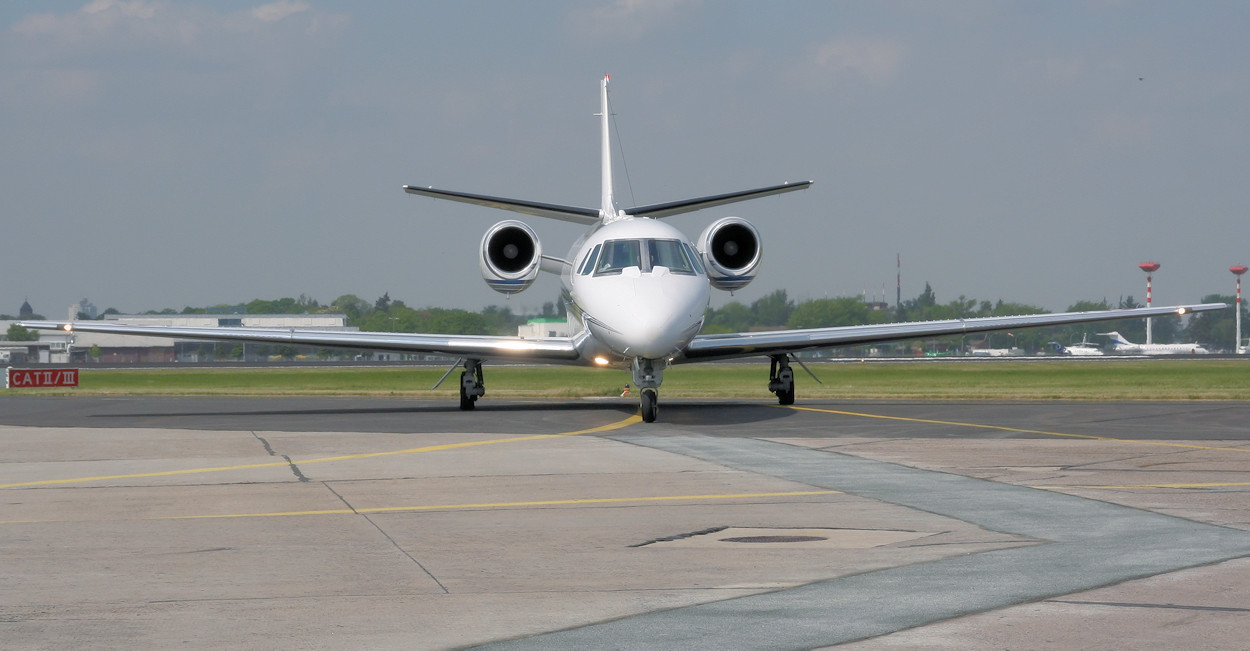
(659, 210)
(587, 216)
(554, 350)
(750, 344)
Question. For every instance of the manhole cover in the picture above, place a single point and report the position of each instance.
(773, 539)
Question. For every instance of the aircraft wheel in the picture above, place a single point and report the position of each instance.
(467, 402)
(649, 405)
(786, 396)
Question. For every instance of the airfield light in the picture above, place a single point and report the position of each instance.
(1149, 268)
(1237, 271)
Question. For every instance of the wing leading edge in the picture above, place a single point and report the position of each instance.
(555, 350)
(750, 344)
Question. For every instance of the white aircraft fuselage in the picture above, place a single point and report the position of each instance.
(1123, 346)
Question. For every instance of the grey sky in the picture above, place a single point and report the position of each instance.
(160, 154)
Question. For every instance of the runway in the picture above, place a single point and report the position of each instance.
(326, 523)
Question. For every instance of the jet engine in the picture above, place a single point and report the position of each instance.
(731, 252)
(509, 256)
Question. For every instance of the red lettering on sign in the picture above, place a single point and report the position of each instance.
(51, 378)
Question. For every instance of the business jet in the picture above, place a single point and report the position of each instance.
(637, 291)
(1123, 346)
(1083, 349)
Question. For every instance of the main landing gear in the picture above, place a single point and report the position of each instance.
(472, 386)
(781, 379)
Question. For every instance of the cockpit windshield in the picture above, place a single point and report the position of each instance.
(618, 255)
(648, 254)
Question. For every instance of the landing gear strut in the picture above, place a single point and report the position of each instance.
(472, 386)
(781, 379)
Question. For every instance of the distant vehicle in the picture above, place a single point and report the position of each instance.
(1125, 347)
(995, 352)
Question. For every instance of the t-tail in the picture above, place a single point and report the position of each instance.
(607, 210)
(1116, 338)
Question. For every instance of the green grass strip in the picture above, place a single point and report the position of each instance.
(1035, 380)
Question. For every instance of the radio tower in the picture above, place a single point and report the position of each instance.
(1237, 271)
(898, 290)
(1149, 268)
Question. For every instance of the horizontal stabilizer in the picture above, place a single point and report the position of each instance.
(659, 210)
(573, 214)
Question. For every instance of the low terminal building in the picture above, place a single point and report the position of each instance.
(544, 328)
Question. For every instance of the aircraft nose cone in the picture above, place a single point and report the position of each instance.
(649, 336)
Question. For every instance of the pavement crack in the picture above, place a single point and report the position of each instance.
(295, 469)
(679, 536)
(388, 537)
(269, 448)
(1124, 604)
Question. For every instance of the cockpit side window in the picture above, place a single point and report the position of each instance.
(670, 254)
(694, 258)
(588, 264)
(617, 255)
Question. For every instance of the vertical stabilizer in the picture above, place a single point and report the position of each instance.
(607, 206)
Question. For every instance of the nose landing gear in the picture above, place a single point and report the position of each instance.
(648, 404)
(647, 377)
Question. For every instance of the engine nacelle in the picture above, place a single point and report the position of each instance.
(731, 251)
(509, 256)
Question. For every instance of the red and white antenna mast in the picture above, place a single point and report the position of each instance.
(1149, 268)
(1238, 270)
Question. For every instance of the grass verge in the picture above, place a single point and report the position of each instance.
(1034, 380)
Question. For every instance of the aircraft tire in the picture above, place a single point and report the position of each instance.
(786, 397)
(648, 401)
(467, 402)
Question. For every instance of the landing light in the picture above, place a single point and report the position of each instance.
(68, 327)
(1180, 311)
(601, 360)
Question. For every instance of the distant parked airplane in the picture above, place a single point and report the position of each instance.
(1125, 347)
(1083, 349)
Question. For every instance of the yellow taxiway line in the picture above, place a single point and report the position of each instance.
(1002, 428)
(347, 457)
(503, 505)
